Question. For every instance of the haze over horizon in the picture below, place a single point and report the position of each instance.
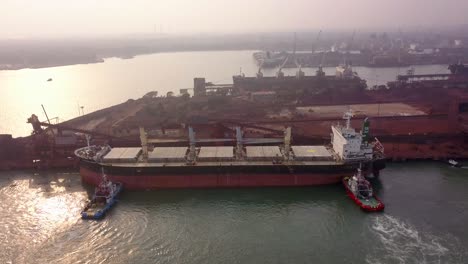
(57, 18)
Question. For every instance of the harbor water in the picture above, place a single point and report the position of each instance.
(97, 86)
(424, 221)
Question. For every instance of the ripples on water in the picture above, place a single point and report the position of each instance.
(400, 242)
(40, 223)
(34, 210)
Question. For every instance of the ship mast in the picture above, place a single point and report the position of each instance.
(192, 142)
(314, 46)
(348, 47)
(144, 144)
(347, 116)
(287, 142)
(239, 146)
(280, 73)
(88, 139)
(299, 73)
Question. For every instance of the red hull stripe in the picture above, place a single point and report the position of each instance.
(143, 182)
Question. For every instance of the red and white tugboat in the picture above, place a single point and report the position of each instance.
(360, 190)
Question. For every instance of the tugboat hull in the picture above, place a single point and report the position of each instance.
(97, 209)
(371, 205)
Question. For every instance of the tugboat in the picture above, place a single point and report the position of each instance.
(104, 198)
(360, 190)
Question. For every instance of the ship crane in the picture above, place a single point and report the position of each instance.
(287, 143)
(299, 73)
(401, 46)
(260, 73)
(345, 71)
(145, 141)
(239, 152)
(280, 73)
(239, 145)
(192, 144)
(319, 72)
(314, 46)
(348, 47)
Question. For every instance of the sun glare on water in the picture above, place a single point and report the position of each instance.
(54, 209)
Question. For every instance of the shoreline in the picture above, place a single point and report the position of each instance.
(129, 56)
(33, 67)
(16, 67)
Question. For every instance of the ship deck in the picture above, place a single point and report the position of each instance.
(216, 164)
(222, 156)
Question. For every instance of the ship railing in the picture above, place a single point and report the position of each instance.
(378, 147)
(356, 158)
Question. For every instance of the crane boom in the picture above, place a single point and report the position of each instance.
(315, 44)
(348, 47)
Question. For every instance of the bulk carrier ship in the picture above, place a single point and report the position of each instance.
(148, 167)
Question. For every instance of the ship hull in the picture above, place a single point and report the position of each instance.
(137, 178)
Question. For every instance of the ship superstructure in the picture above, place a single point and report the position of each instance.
(350, 145)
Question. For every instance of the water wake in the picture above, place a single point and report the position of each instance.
(401, 242)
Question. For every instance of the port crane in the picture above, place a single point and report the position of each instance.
(280, 73)
(37, 127)
(315, 44)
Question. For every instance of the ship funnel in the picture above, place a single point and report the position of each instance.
(365, 131)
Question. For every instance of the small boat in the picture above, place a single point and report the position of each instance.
(454, 163)
(104, 198)
(360, 191)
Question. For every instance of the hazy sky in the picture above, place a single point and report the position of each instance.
(28, 18)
